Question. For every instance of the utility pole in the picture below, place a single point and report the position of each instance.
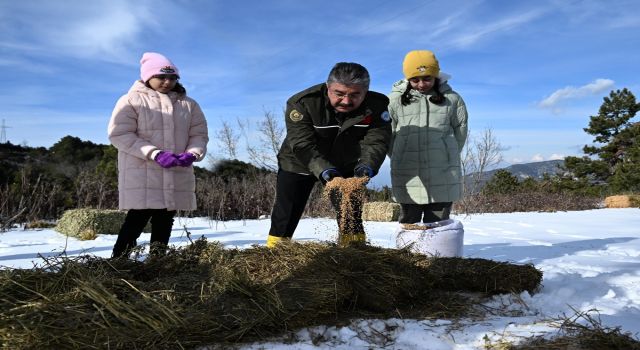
(3, 132)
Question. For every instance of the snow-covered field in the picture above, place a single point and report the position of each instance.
(590, 260)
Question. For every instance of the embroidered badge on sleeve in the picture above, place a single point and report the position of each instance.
(295, 116)
(385, 116)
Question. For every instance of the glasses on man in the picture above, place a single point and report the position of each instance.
(341, 95)
(166, 77)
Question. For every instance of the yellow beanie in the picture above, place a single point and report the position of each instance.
(420, 63)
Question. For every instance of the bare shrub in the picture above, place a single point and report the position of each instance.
(249, 197)
(28, 200)
(94, 189)
(481, 153)
(228, 140)
(235, 198)
(527, 201)
(319, 205)
(270, 134)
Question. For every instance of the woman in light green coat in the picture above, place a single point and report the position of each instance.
(429, 122)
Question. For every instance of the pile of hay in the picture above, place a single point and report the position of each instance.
(622, 201)
(87, 223)
(205, 294)
(381, 211)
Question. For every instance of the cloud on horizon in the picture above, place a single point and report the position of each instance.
(558, 97)
(556, 156)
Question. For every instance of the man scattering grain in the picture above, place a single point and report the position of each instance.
(337, 129)
(347, 196)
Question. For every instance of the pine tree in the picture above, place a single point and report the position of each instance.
(610, 124)
(502, 182)
(626, 174)
(614, 156)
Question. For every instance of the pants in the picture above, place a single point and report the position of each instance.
(413, 213)
(292, 192)
(134, 223)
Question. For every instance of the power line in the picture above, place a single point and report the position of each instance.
(3, 132)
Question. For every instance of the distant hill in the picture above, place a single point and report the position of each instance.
(535, 170)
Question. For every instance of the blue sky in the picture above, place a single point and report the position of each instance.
(532, 71)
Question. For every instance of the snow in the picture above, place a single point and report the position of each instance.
(590, 260)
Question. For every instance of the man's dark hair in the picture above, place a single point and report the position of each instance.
(348, 73)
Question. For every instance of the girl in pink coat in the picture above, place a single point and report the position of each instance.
(159, 132)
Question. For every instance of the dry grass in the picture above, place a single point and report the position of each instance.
(582, 331)
(204, 294)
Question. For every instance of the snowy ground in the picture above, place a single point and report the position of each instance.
(590, 260)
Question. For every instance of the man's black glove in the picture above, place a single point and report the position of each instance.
(363, 170)
(328, 174)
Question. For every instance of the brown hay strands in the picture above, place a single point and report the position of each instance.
(204, 294)
(350, 193)
(584, 330)
(482, 276)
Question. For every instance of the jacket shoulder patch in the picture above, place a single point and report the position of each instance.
(295, 116)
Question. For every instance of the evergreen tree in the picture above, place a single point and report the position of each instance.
(626, 174)
(72, 149)
(233, 168)
(610, 124)
(502, 182)
(613, 158)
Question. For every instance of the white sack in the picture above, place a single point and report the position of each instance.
(444, 240)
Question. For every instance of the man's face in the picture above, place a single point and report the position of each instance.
(345, 98)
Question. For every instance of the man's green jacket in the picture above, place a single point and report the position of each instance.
(319, 138)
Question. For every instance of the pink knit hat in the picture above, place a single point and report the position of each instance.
(153, 63)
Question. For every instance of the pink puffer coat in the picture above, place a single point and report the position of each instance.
(144, 121)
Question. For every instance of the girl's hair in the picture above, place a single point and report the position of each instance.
(178, 88)
(437, 98)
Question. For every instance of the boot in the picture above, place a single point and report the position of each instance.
(344, 240)
(273, 240)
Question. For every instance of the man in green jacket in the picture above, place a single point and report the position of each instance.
(334, 129)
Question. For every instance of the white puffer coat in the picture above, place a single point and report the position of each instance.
(144, 121)
(425, 147)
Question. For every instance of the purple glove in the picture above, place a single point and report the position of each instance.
(186, 159)
(166, 159)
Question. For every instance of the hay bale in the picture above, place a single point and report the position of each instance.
(381, 211)
(39, 224)
(622, 201)
(204, 294)
(86, 224)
